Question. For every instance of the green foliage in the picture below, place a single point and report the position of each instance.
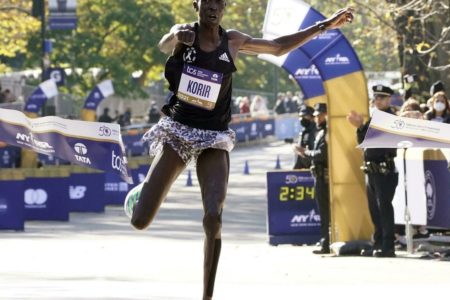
(16, 25)
(114, 40)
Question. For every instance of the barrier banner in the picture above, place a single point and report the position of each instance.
(90, 144)
(267, 127)
(134, 146)
(287, 127)
(46, 198)
(437, 193)
(9, 157)
(12, 211)
(292, 217)
(86, 193)
(44, 91)
(115, 189)
(391, 131)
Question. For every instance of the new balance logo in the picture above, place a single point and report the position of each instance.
(224, 57)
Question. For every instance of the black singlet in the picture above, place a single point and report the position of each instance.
(197, 78)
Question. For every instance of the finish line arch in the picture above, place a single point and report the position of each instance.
(328, 70)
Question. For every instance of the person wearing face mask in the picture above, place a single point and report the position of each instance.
(439, 110)
(306, 136)
(381, 180)
(318, 155)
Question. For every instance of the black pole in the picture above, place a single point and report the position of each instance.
(43, 34)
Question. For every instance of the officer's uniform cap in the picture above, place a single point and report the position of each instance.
(320, 108)
(306, 110)
(382, 90)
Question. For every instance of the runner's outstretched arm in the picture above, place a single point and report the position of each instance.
(282, 45)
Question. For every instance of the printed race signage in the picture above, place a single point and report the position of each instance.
(199, 87)
(46, 198)
(12, 210)
(86, 192)
(293, 217)
(90, 144)
(100, 92)
(44, 91)
(391, 131)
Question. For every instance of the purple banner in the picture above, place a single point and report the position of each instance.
(90, 144)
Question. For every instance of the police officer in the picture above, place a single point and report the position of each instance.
(307, 135)
(318, 156)
(381, 180)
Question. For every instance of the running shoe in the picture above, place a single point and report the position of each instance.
(131, 199)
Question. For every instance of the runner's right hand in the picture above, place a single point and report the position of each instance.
(185, 36)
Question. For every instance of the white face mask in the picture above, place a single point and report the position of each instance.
(439, 106)
(372, 109)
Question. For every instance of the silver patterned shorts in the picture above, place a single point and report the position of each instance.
(187, 141)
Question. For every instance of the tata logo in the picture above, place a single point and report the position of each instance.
(118, 163)
(215, 77)
(309, 73)
(298, 220)
(430, 192)
(35, 198)
(189, 55)
(30, 140)
(81, 151)
(337, 60)
(77, 192)
(97, 95)
(104, 131)
(80, 148)
(398, 124)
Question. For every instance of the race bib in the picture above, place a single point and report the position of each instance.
(199, 87)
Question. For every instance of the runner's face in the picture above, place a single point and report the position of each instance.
(210, 11)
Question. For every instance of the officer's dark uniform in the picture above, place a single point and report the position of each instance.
(319, 169)
(306, 137)
(382, 179)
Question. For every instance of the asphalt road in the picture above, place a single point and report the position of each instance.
(99, 256)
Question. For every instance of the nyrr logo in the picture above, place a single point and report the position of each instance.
(77, 192)
(31, 141)
(308, 73)
(337, 60)
(81, 150)
(35, 198)
(311, 219)
(430, 192)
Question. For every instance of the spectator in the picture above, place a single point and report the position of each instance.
(105, 118)
(153, 113)
(235, 105)
(290, 105)
(411, 109)
(258, 107)
(279, 107)
(244, 106)
(439, 110)
(8, 96)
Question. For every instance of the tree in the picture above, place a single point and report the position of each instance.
(16, 24)
(423, 30)
(115, 40)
